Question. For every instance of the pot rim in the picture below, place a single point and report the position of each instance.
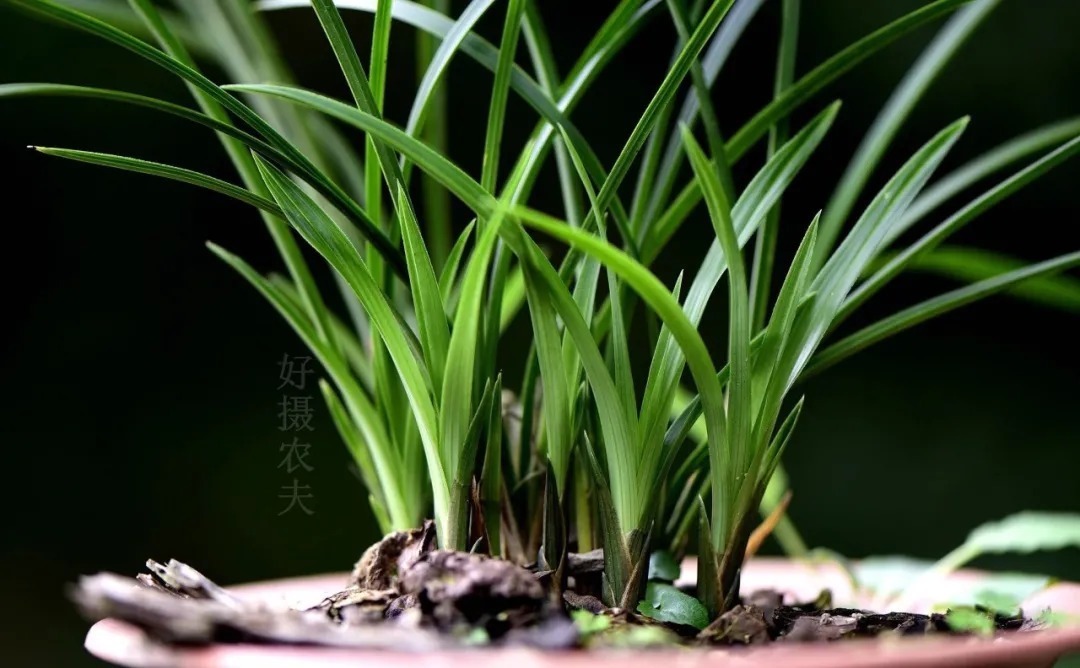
(126, 645)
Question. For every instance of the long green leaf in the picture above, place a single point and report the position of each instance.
(765, 244)
(660, 182)
(700, 85)
(165, 171)
(973, 264)
(448, 276)
(93, 26)
(491, 478)
(934, 307)
(617, 432)
(359, 450)
(457, 407)
(427, 298)
(795, 96)
(608, 41)
(375, 153)
(834, 281)
(360, 410)
(364, 92)
(708, 564)
(615, 578)
(436, 69)
(245, 165)
(499, 93)
(120, 14)
(663, 96)
(831, 69)
(729, 464)
(793, 293)
(513, 298)
(616, 31)
(68, 90)
(482, 202)
(892, 116)
(778, 446)
(447, 173)
(972, 210)
(316, 179)
(557, 397)
(816, 309)
(756, 200)
(487, 55)
(653, 293)
(661, 385)
(619, 339)
(321, 232)
(547, 74)
(998, 158)
(435, 200)
(751, 208)
(352, 349)
(489, 172)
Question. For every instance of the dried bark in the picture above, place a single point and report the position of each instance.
(405, 595)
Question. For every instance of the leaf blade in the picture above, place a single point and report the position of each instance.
(165, 171)
(427, 298)
(934, 307)
(321, 232)
(896, 110)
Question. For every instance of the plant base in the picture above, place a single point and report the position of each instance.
(126, 644)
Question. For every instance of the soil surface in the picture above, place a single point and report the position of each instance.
(404, 594)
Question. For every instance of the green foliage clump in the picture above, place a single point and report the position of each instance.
(583, 453)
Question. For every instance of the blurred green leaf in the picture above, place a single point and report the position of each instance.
(663, 566)
(888, 576)
(212, 91)
(953, 223)
(993, 160)
(588, 624)
(363, 414)
(972, 265)
(934, 307)
(1023, 532)
(888, 122)
(998, 602)
(970, 620)
(1026, 532)
(829, 70)
(324, 235)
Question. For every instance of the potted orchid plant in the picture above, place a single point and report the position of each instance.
(559, 512)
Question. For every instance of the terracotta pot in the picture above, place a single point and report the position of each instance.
(125, 645)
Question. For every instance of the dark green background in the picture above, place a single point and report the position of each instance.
(139, 373)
